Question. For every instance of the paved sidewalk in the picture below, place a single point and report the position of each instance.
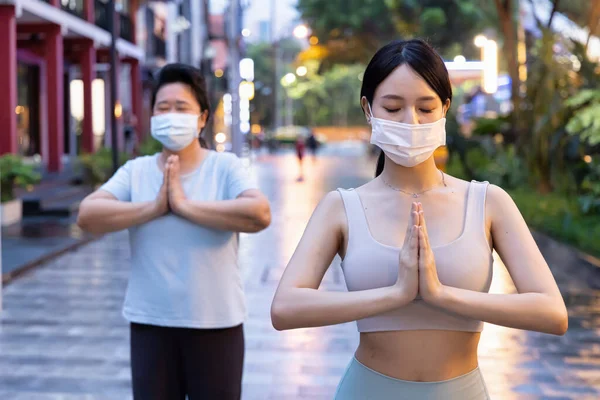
(62, 335)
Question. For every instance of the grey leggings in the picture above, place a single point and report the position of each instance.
(362, 383)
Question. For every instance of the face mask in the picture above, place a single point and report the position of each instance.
(407, 144)
(175, 131)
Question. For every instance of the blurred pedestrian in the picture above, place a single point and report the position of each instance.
(184, 208)
(300, 149)
(130, 132)
(418, 291)
(313, 144)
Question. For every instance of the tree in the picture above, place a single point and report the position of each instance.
(350, 31)
(265, 79)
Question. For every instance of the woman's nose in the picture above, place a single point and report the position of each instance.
(410, 117)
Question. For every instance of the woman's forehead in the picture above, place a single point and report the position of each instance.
(404, 83)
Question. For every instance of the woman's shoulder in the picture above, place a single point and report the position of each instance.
(223, 158)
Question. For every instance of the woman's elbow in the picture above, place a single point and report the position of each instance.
(82, 218)
(262, 217)
(560, 323)
(280, 316)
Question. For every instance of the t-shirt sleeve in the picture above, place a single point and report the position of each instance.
(120, 183)
(238, 179)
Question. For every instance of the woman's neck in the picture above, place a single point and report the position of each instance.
(189, 158)
(415, 179)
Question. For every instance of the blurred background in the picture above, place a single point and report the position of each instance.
(282, 76)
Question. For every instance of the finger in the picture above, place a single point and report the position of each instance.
(410, 224)
(422, 248)
(424, 226)
(414, 240)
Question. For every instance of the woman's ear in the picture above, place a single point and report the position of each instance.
(202, 120)
(446, 107)
(364, 103)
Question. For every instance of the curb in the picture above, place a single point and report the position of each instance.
(8, 277)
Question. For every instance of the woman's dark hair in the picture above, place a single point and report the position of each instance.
(421, 57)
(187, 75)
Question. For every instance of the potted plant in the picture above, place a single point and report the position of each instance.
(13, 172)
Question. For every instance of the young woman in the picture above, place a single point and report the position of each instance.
(183, 208)
(417, 249)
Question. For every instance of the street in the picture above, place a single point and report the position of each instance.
(62, 335)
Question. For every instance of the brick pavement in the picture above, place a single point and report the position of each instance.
(62, 335)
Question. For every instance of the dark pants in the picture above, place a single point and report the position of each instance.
(170, 363)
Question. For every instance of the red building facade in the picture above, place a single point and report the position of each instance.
(40, 41)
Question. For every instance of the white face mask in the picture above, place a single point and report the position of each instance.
(175, 131)
(407, 144)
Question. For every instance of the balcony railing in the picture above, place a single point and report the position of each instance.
(125, 25)
(74, 7)
(101, 12)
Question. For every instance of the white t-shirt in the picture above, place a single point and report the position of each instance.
(183, 274)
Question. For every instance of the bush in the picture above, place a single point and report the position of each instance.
(13, 172)
(149, 146)
(97, 167)
(589, 201)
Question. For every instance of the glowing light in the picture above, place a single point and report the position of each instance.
(19, 109)
(490, 67)
(313, 40)
(301, 70)
(480, 40)
(587, 158)
(246, 90)
(245, 127)
(246, 32)
(220, 148)
(247, 69)
(256, 129)
(118, 110)
(220, 137)
(301, 31)
(219, 73)
(460, 59)
(288, 79)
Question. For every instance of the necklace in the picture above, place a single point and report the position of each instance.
(415, 195)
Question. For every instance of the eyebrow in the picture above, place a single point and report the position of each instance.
(396, 97)
(177, 102)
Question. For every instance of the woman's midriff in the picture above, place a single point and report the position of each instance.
(421, 356)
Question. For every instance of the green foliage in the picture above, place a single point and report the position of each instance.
(491, 126)
(328, 98)
(149, 146)
(97, 167)
(590, 199)
(14, 172)
(264, 76)
(554, 214)
(353, 35)
(560, 217)
(586, 120)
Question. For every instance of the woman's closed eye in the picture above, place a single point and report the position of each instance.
(394, 110)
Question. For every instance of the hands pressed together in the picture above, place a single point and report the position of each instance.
(171, 194)
(417, 274)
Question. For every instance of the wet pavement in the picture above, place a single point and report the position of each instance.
(62, 335)
(36, 239)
